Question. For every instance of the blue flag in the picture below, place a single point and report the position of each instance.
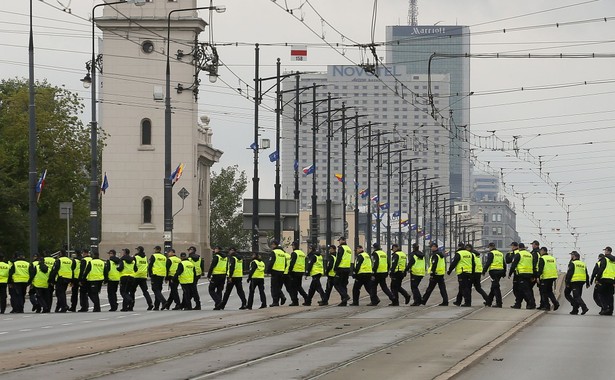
(296, 165)
(105, 184)
(273, 157)
(396, 214)
(384, 205)
(254, 146)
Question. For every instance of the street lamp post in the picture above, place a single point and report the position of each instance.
(256, 148)
(33, 207)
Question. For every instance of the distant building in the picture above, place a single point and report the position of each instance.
(485, 187)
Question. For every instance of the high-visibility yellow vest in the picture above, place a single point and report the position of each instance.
(299, 262)
(66, 268)
(440, 266)
(366, 265)
(383, 262)
(97, 270)
(465, 262)
(332, 271)
(187, 276)
(197, 265)
(174, 264)
(41, 279)
(286, 262)
(346, 257)
(50, 262)
(550, 269)
(260, 269)
(128, 270)
(478, 264)
(220, 267)
(525, 263)
(4, 272)
(580, 272)
(609, 271)
(418, 268)
(77, 270)
(159, 267)
(238, 270)
(114, 274)
(22, 271)
(317, 267)
(141, 266)
(279, 264)
(498, 260)
(402, 261)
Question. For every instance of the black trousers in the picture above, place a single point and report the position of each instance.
(33, 299)
(381, 280)
(296, 287)
(341, 283)
(433, 281)
(42, 296)
(112, 287)
(61, 287)
(364, 280)
(195, 291)
(3, 287)
(329, 285)
(216, 287)
(465, 289)
(126, 290)
(546, 292)
(574, 293)
(606, 295)
(157, 282)
(396, 288)
(187, 295)
(596, 293)
(74, 296)
(84, 303)
(93, 293)
(277, 281)
(476, 278)
(234, 282)
(260, 284)
(525, 292)
(315, 287)
(173, 295)
(142, 284)
(414, 287)
(18, 296)
(495, 293)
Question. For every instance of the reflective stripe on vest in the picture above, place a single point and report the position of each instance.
(66, 268)
(141, 266)
(238, 270)
(498, 260)
(418, 268)
(440, 266)
(383, 262)
(465, 262)
(22, 271)
(41, 280)
(332, 271)
(366, 265)
(220, 267)
(299, 262)
(197, 266)
(346, 257)
(4, 272)
(279, 264)
(159, 267)
(174, 264)
(287, 262)
(114, 274)
(550, 269)
(580, 272)
(317, 267)
(525, 263)
(187, 276)
(609, 271)
(402, 261)
(97, 270)
(478, 264)
(260, 269)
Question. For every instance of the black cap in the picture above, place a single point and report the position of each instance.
(521, 245)
(342, 238)
(608, 249)
(492, 244)
(140, 249)
(433, 244)
(536, 242)
(183, 255)
(514, 244)
(275, 242)
(192, 248)
(376, 245)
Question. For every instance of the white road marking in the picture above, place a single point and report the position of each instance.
(25, 330)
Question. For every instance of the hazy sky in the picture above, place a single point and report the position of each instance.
(564, 116)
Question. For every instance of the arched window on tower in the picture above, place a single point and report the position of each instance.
(146, 132)
(147, 210)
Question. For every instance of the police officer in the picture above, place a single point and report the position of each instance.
(40, 284)
(399, 268)
(606, 279)
(157, 270)
(49, 262)
(380, 262)
(95, 275)
(21, 274)
(141, 276)
(478, 272)
(234, 275)
(597, 284)
(172, 265)
(576, 277)
(296, 269)
(416, 263)
(315, 269)
(5, 266)
(496, 266)
(113, 267)
(330, 272)
(199, 266)
(75, 288)
(276, 267)
(437, 269)
(127, 278)
(547, 273)
(342, 270)
(185, 277)
(363, 277)
(62, 271)
(523, 268)
(256, 279)
(463, 265)
(83, 287)
(217, 276)
(514, 249)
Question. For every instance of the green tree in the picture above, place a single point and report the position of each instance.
(62, 147)
(227, 188)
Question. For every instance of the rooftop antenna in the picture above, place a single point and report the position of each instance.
(413, 13)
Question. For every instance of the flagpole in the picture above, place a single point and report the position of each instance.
(344, 169)
(356, 181)
(297, 234)
(277, 227)
(369, 186)
(328, 201)
(314, 222)
(33, 199)
(255, 179)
